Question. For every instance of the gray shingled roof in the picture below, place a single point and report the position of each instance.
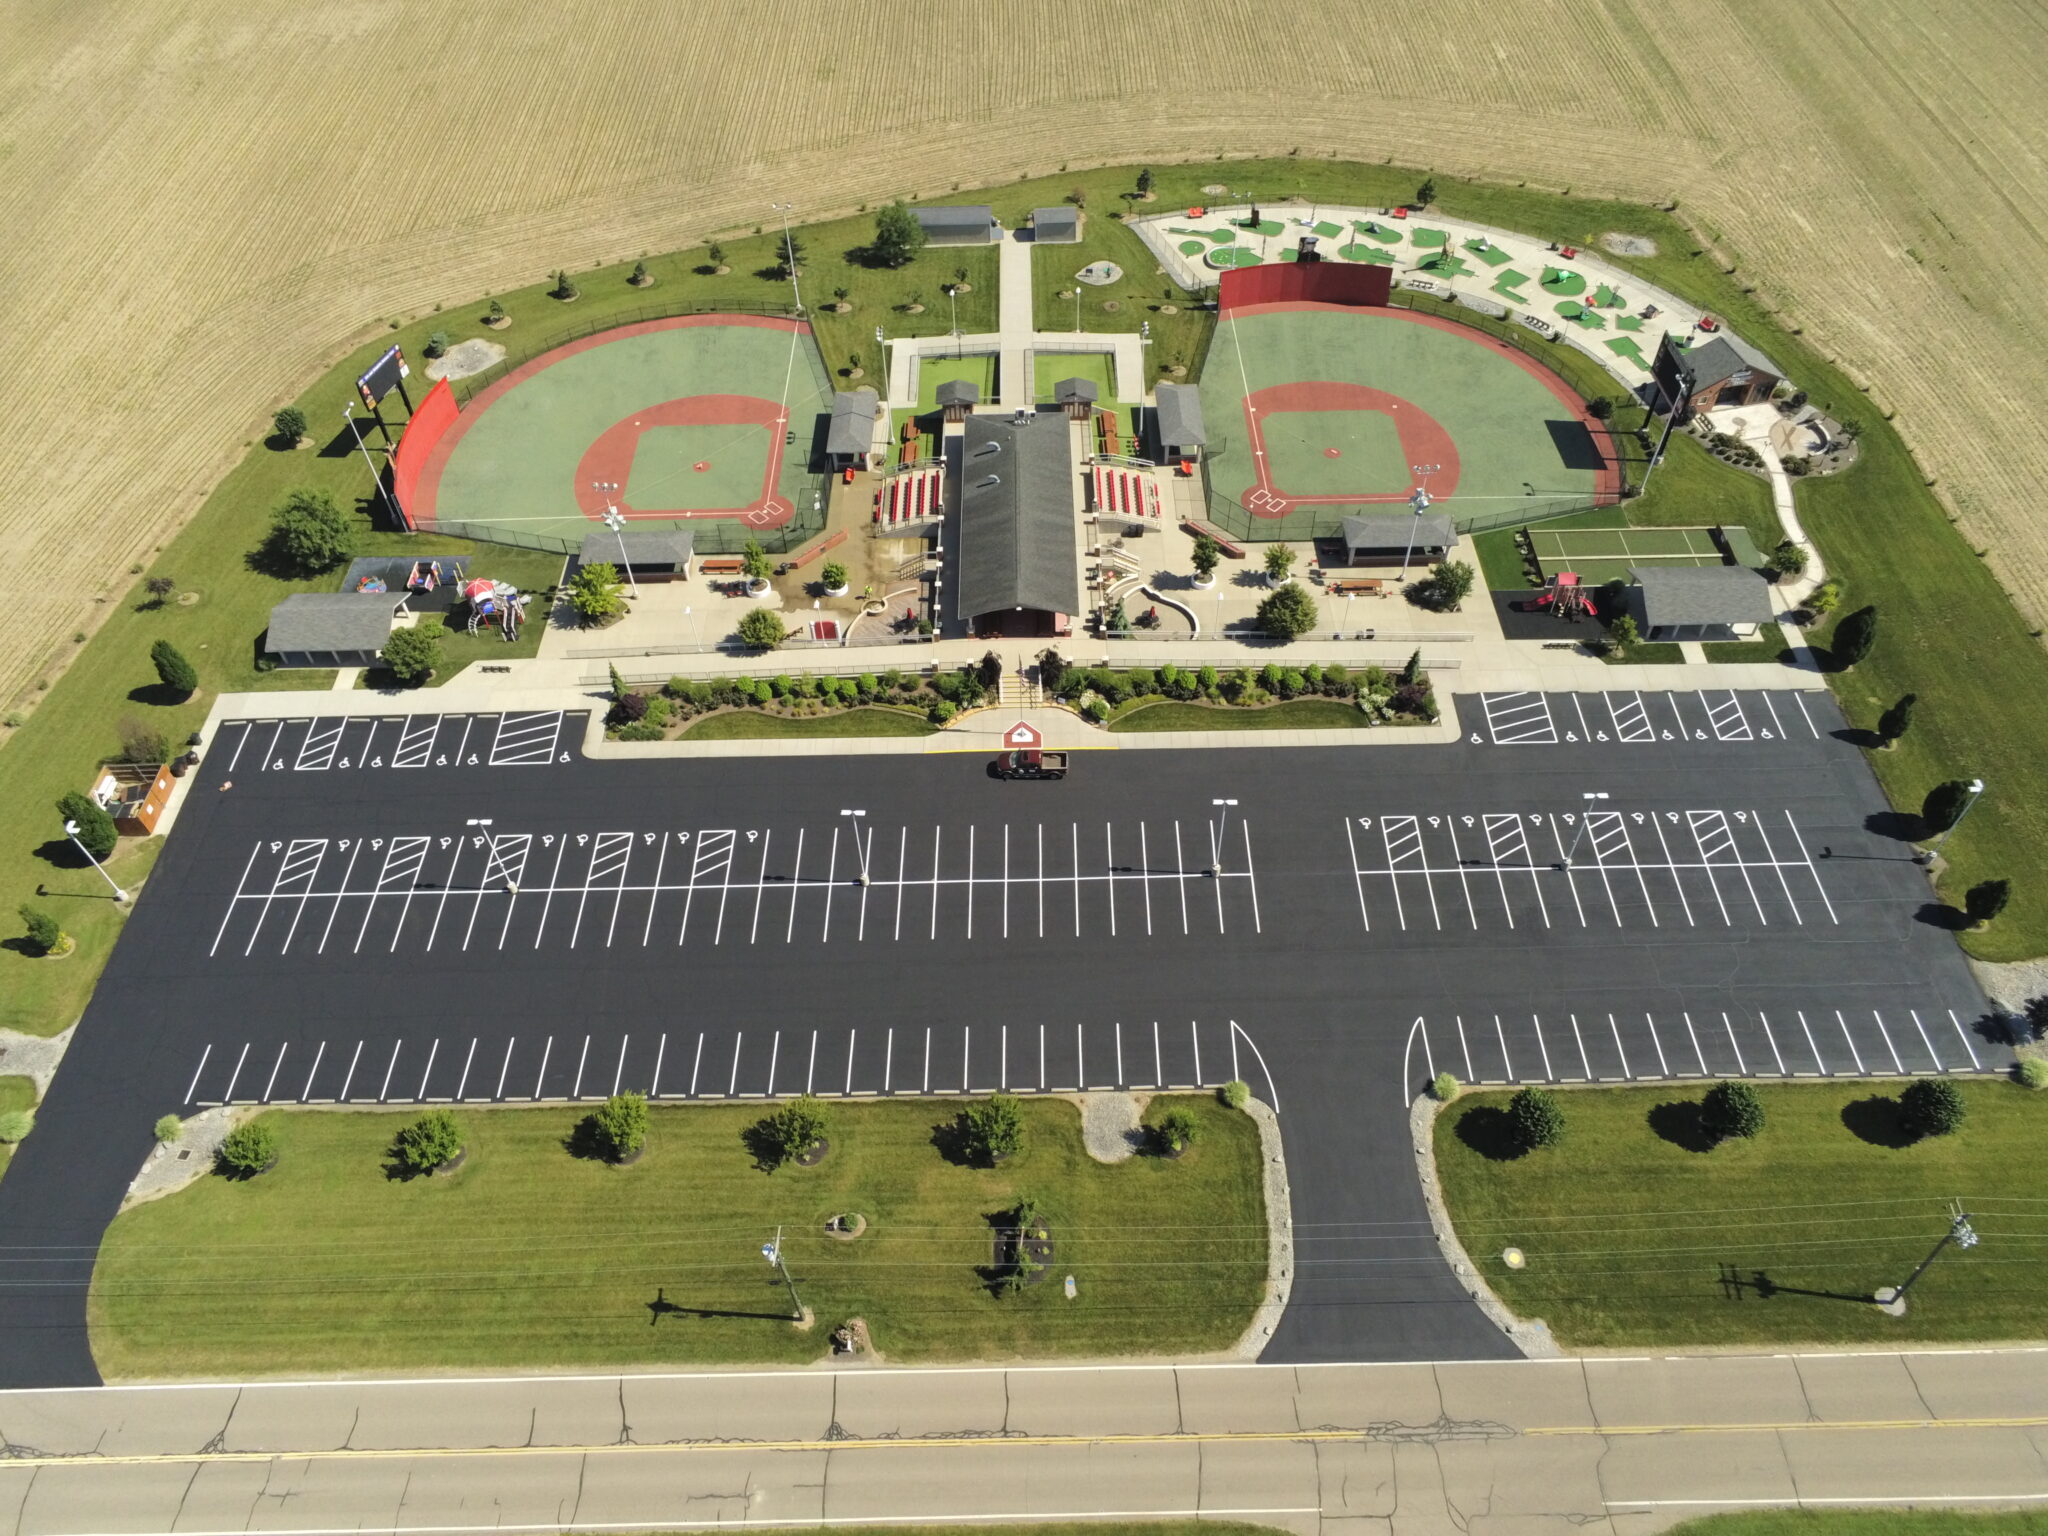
(333, 621)
(956, 219)
(643, 546)
(1075, 392)
(1180, 416)
(1392, 530)
(853, 421)
(1719, 359)
(1702, 594)
(958, 392)
(1019, 535)
(1055, 226)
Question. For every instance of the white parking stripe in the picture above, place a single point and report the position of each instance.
(1850, 1040)
(1890, 1049)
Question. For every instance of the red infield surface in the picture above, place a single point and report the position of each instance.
(1423, 441)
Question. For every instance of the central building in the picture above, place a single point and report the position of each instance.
(1020, 526)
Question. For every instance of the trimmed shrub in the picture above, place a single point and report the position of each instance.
(994, 1128)
(413, 653)
(1287, 611)
(595, 593)
(1443, 1088)
(1536, 1118)
(1932, 1106)
(2032, 1072)
(1279, 560)
(43, 932)
(833, 575)
(797, 1127)
(1730, 1110)
(1624, 633)
(428, 1142)
(620, 1125)
(437, 345)
(169, 1128)
(249, 1149)
(1788, 559)
(1235, 1093)
(1176, 1130)
(754, 562)
(761, 628)
(15, 1125)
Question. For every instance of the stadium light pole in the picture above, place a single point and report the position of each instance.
(1216, 869)
(348, 414)
(1976, 793)
(71, 831)
(1591, 797)
(615, 520)
(859, 845)
(784, 209)
(1419, 504)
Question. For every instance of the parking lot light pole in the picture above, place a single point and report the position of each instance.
(1590, 798)
(1976, 793)
(860, 846)
(1892, 1298)
(1216, 869)
(71, 831)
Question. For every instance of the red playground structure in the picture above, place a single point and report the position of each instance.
(1564, 596)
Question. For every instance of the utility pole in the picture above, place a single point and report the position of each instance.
(1892, 1298)
(772, 1252)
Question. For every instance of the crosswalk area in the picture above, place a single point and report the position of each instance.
(847, 882)
(1563, 1046)
(730, 1063)
(1585, 869)
(1632, 718)
(341, 743)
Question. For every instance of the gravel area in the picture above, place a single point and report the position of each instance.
(1112, 1125)
(466, 358)
(1279, 1235)
(1629, 245)
(32, 1056)
(171, 1166)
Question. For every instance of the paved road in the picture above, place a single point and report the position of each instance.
(1529, 1446)
(462, 908)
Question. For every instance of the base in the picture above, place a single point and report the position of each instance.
(1890, 1301)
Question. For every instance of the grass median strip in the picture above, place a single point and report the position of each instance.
(1637, 1231)
(529, 1256)
(750, 725)
(1294, 715)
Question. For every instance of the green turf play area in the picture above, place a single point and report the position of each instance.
(1319, 411)
(705, 421)
(977, 368)
(1605, 554)
(1049, 368)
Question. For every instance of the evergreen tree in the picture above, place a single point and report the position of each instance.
(173, 670)
(1894, 722)
(1854, 636)
(1985, 900)
(96, 828)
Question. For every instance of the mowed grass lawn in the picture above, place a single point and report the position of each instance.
(751, 725)
(1636, 1238)
(530, 1257)
(1292, 715)
(15, 1093)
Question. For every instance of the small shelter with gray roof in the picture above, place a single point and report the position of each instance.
(959, 224)
(1076, 397)
(957, 398)
(332, 629)
(1019, 542)
(851, 434)
(1177, 421)
(1380, 538)
(1056, 226)
(1699, 602)
(1725, 370)
(641, 554)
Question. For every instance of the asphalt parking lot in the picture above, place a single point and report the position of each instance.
(465, 909)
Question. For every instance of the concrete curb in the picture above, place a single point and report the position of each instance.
(1279, 1235)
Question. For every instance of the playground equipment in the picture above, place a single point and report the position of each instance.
(495, 602)
(1564, 596)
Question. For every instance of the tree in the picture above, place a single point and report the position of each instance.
(309, 532)
(1945, 804)
(1985, 900)
(1176, 1130)
(563, 289)
(994, 1127)
(1600, 408)
(755, 563)
(1144, 181)
(620, 1125)
(1623, 632)
(1207, 553)
(1279, 561)
(1450, 584)
(762, 629)
(639, 277)
(1932, 1106)
(1287, 611)
(1052, 667)
(1536, 1118)
(833, 575)
(1411, 674)
(43, 933)
(1788, 559)
(159, 589)
(249, 1149)
(715, 254)
(142, 742)
(437, 344)
(618, 683)
(1854, 637)
(428, 1142)
(412, 653)
(1893, 723)
(1426, 193)
(1826, 597)
(496, 313)
(96, 829)
(1731, 1109)
(898, 235)
(177, 674)
(798, 1127)
(789, 254)
(595, 592)
(288, 424)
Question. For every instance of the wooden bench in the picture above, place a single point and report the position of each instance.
(721, 565)
(1366, 586)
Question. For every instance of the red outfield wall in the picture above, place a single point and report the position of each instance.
(429, 424)
(1320, 282)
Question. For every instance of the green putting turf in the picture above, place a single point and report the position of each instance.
(1289, 253)
(978, 368)
(1607, 298)
(1193, 247)
(1371, 255)
(1268, 227)
(1328, 231)
(1565, 285)
(1368, 460)
(1445, 264)
(1582, 317)
(1098, 368)
(516, 464)
(1221, 236)
(1492, 255)
(1234, 256)
(1374, 230)
(1627, 323)
(1430, 239)
(1625, 346)
(666, 470)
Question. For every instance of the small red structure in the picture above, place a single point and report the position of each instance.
(1564, 596)
(1709, 323)
(1400, 213)
(1569, 252)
